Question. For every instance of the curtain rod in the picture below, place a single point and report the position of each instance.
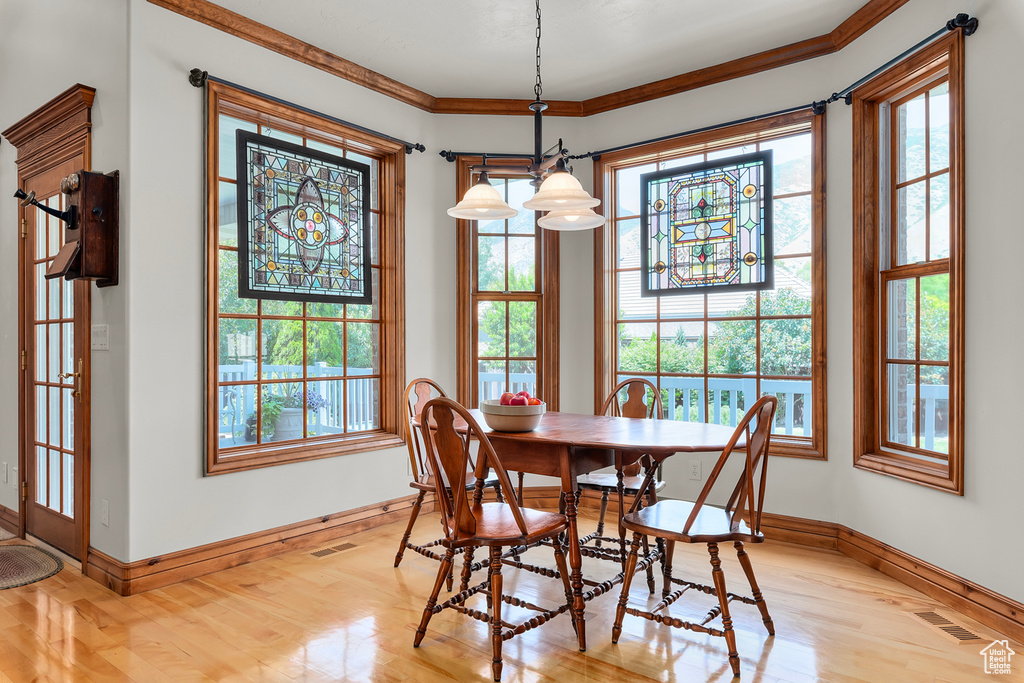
(968, 23)
(198, 78)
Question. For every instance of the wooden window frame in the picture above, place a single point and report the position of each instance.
(467, 298)
(872, 199)
(605, 316)
(222, 98)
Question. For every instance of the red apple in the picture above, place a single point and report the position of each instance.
(519, 401)
(523, 393)
(533, 401)
(506, 398)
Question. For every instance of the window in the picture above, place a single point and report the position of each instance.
(287, 380)
(508, 298)
(908, 269)
(712, 355)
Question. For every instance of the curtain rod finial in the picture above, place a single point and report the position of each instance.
(965, 21)
(197, 77)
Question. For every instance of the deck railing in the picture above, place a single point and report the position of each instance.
(684, 398)
(359, 413)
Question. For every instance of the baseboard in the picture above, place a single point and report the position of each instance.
(995, 611)
(9, 520)
(800, 531)
(156, 572)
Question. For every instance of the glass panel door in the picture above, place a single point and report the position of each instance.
(55, 367)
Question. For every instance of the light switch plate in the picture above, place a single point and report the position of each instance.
(100, 338)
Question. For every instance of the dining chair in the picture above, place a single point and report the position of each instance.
(627, 481)
(738, 521)
(417, 394)
(469, 523)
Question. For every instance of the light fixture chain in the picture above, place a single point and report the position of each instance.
(538, 89)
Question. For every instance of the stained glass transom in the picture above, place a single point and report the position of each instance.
(707, 225)
(303, 227)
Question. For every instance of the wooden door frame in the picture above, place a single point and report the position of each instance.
(53, 134)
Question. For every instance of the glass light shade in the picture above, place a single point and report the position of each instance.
(482, 202)
(560, 191)
(571, 219)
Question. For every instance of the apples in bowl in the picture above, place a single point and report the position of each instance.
(513, 412)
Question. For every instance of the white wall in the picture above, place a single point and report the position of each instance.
(166, 504)
(977, 536)
(33, 71)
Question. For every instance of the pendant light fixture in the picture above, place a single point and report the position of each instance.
(570, 207)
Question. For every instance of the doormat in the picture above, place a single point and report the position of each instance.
(24, 564)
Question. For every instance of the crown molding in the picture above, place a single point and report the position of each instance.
(204, 11)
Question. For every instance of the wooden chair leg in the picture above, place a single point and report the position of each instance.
(758, 598)
(496, 640)
(563, 571)
(466, 569)
(408, 530)
(600, 517)
(428, 611)
(666, 567)
(519, 492)
(723, 600)
(627, 579)
(650, 567)
(497, 493)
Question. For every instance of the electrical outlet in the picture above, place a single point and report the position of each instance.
(5, 473)
(695, 469)
(105, 512)
(14, 477)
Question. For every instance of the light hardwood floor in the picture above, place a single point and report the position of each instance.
(350, 616)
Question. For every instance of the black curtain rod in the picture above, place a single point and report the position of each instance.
(968, 23)
(597, 155)
(198, 78)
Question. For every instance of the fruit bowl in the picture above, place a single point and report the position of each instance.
(511, 418)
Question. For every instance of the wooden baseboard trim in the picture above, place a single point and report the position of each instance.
(800, 531)
(995, 611)
(9, 520)
(156, 572)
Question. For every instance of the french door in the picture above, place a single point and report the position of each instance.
(55, 367)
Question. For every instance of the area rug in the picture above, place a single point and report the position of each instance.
(25, 564)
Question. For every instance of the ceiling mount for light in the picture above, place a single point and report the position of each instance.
(558, 191)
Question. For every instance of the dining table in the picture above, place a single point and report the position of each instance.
(567, 445)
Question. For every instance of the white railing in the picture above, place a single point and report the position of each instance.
(931, 394)
(359, 413)
(492, 384)
(687, 393)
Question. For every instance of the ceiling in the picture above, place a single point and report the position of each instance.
(486, 48)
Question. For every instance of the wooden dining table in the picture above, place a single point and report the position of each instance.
(567, 445)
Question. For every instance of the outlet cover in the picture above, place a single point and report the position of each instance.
(695, 469)
(100, 338)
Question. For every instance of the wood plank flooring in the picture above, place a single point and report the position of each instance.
(350, 616)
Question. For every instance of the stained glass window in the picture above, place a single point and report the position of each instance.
(707, 226)
(303, 224)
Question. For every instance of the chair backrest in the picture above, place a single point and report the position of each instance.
(447, 430)
(747, 499)
(635, 404)
(417, 394)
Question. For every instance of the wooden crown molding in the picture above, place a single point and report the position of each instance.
(204, 11)
(68, 115)
(245, 28)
